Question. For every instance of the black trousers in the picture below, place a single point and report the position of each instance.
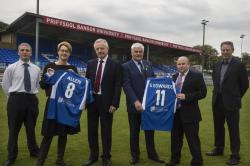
(220, 115)
(191, 131)
(22, 108)
(134, 126)
(45, 145)
(96, 111)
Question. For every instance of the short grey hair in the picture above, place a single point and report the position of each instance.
(137, 45)
(101, 41)
(25, 44)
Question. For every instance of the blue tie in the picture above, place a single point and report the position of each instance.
(27, 83)
(140, 64)
(142, 69)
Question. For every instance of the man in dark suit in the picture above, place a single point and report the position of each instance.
(135, 73)
(105, 75)
(230, 84)
(187, 117)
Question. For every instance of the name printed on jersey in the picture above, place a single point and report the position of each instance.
(159, 104)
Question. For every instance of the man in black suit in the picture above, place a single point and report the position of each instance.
(105, 75)
(230, 81)
(135, 73)
(187, 117)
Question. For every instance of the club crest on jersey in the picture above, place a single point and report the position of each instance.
(158, 109)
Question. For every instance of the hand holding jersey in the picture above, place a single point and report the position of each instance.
(50, 71)
(138, 106)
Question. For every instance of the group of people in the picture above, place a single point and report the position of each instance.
(21, 81)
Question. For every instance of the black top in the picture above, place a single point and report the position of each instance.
(233, 86)
(50, 126)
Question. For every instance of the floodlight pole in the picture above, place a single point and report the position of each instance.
(204, 23)
(242, 37)
(37, 32)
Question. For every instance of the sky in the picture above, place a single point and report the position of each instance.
(176, 21)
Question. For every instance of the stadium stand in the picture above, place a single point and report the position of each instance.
(10, 56)
(163, 70)
(81, 36)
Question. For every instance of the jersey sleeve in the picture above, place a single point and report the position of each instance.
(53, 78)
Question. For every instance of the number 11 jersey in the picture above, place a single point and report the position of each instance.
(159, 104)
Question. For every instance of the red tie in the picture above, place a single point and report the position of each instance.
(98, 77)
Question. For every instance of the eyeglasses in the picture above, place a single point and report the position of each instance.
(27, 50)
(62, 50)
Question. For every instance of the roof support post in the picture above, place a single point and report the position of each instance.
(147, 52)
(37, 33)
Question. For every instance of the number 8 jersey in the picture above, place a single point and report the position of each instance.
(69, 93)
(159, 102)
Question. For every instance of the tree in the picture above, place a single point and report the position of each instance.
(246, 59)
(210, 55)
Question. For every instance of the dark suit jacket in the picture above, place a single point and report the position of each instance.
(111, 81)
(134, 82)
(194, 89)
(234, 85)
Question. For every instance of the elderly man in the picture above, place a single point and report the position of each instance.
(135, 73)
(105, 75)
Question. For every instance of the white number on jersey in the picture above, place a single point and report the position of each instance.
(70, 89)
(160, 97)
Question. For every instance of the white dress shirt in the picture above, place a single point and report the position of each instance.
(13, 78)
(138, 66)
(103, 67)
(183, 77)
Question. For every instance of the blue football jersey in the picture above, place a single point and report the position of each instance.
(159, 104)
(69, 93)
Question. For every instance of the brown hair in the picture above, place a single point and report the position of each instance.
(227, 43)
(66, 44)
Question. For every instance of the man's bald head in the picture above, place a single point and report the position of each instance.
(183, 64)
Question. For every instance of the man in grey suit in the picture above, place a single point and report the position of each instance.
(135, 73)
(230, 84)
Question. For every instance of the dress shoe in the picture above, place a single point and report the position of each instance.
(233, 160)
(90, 162)
(134, 160)
(106, 162)
(215, 152)
(156, 159)
(8, 162)
(172, 163)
